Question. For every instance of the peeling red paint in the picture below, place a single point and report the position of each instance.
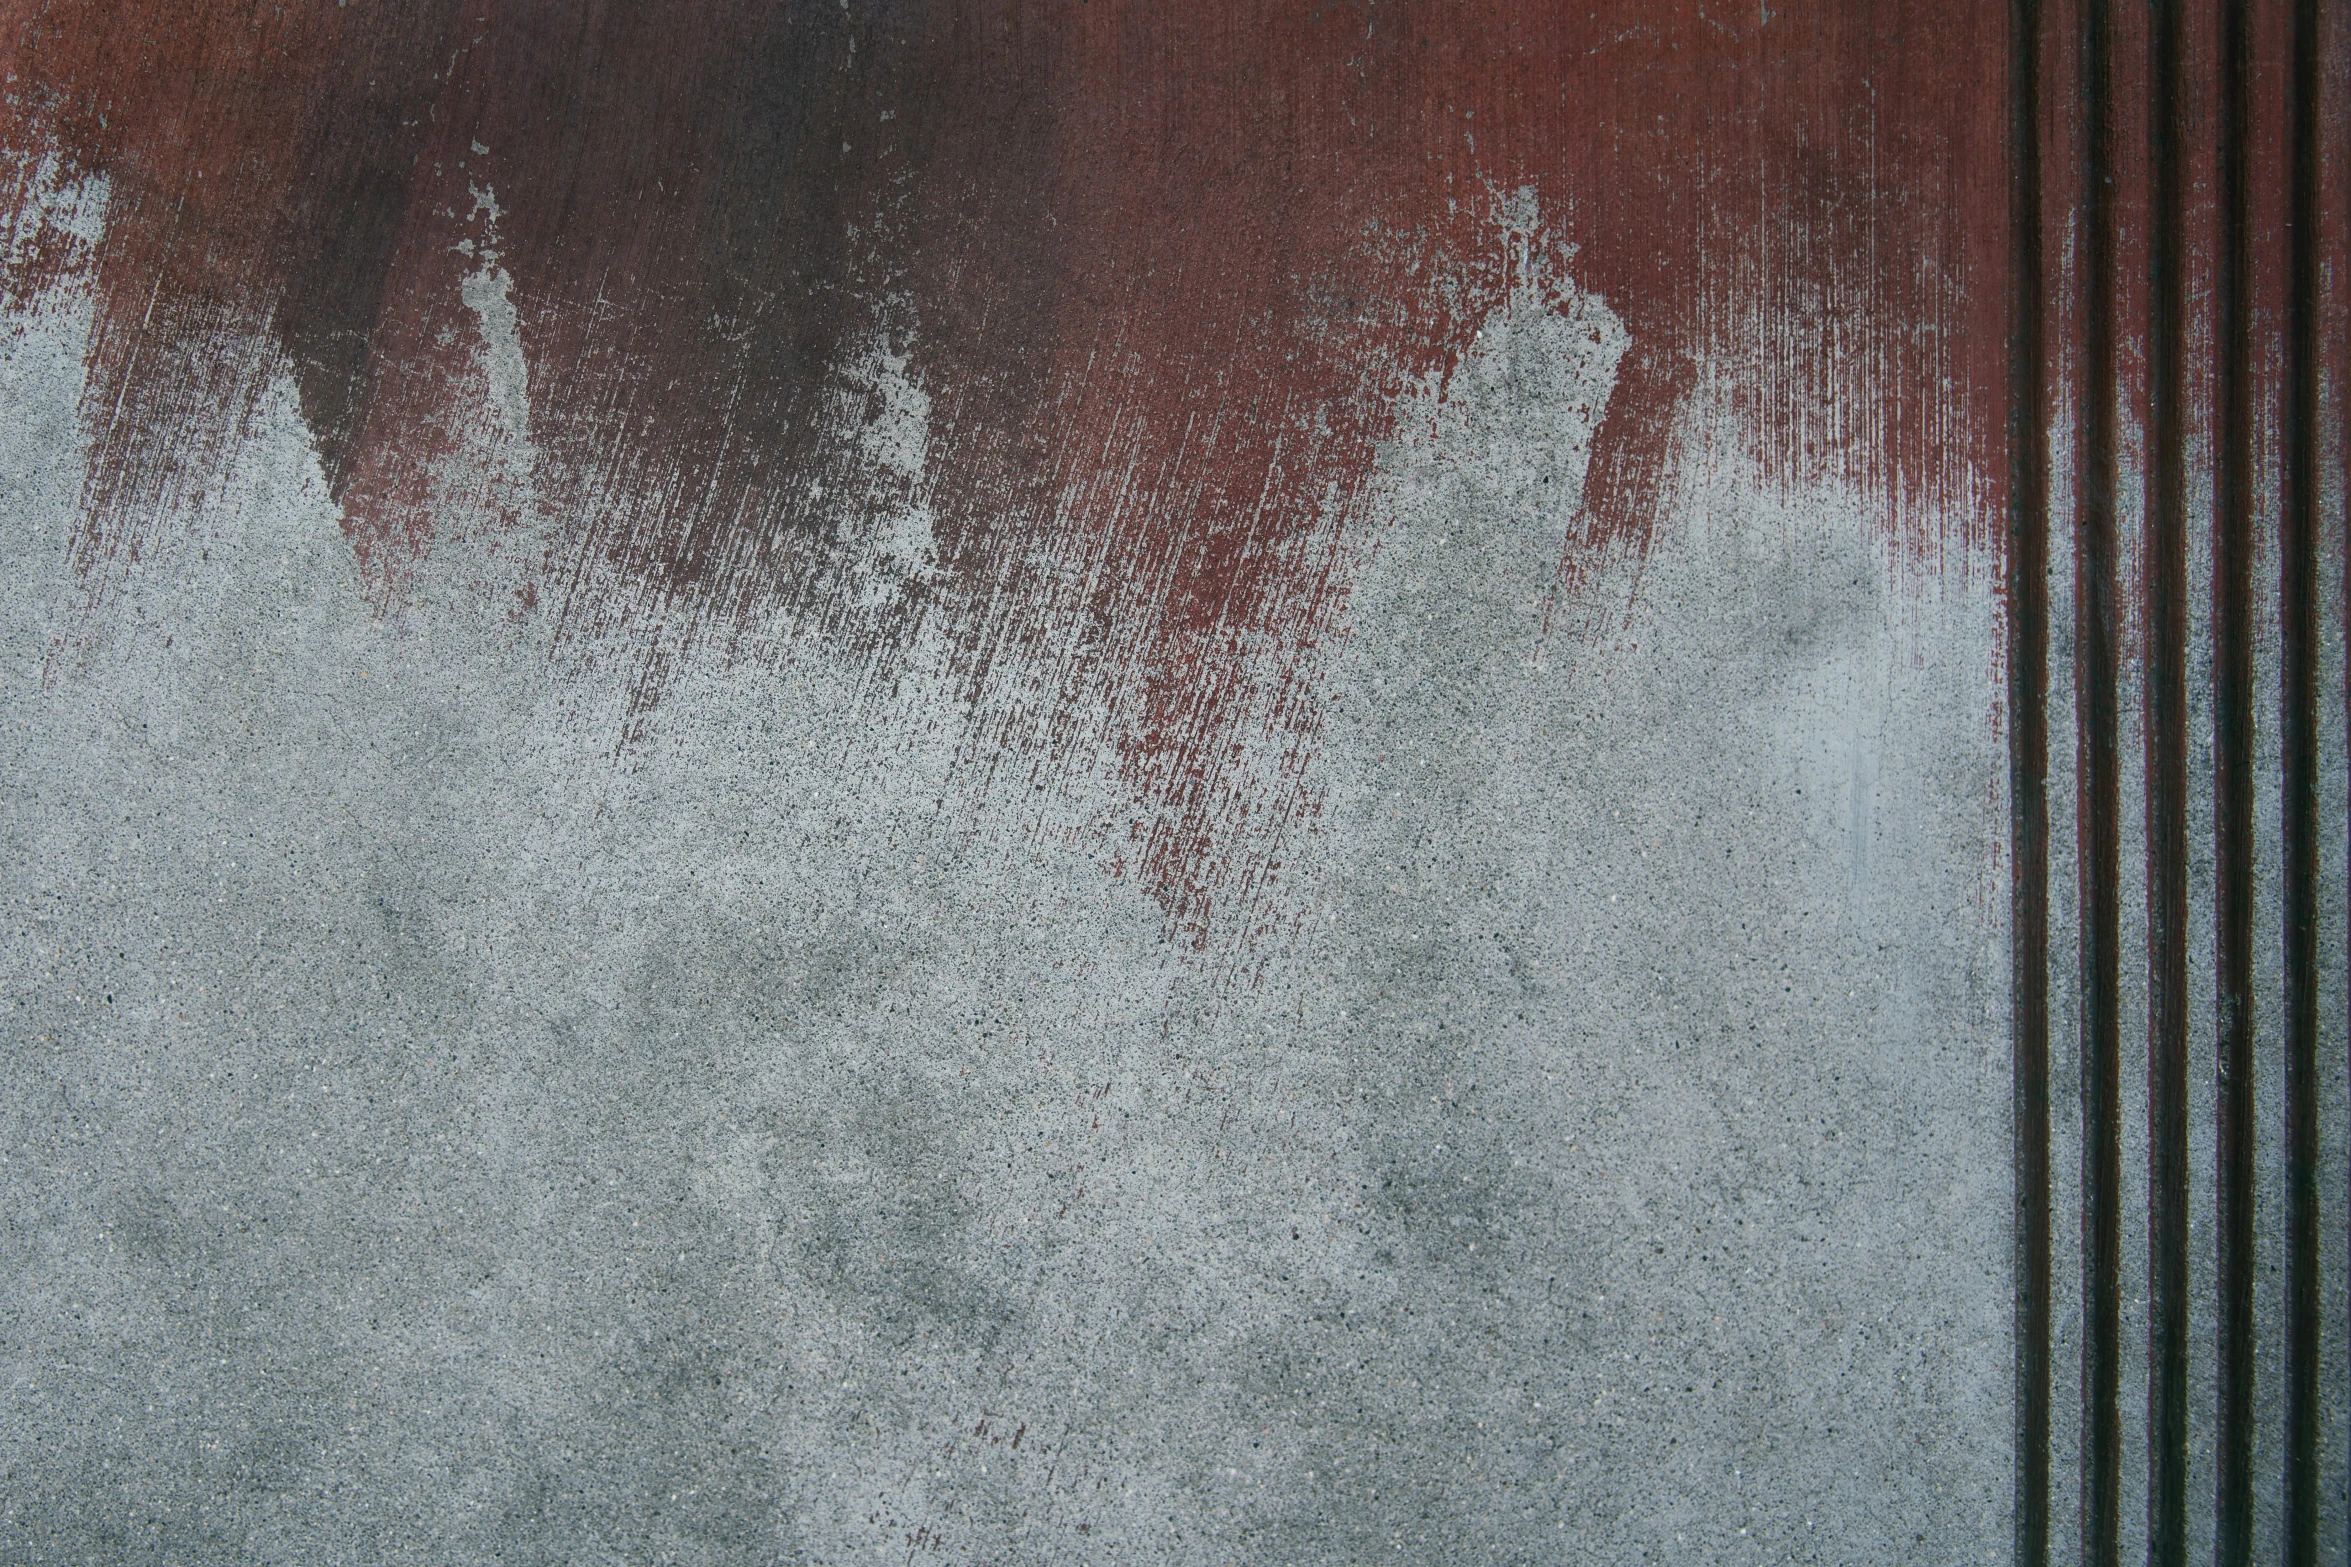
(1162, 272)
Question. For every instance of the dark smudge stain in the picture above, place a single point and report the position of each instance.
(1162, 273)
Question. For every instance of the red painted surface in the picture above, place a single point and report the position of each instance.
(1163, 270)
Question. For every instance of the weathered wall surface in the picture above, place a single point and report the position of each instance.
(970, 955)
(434, 1136)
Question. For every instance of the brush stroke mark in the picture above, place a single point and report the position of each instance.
(1161, 275)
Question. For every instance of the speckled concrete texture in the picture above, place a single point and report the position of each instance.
(437, 1130)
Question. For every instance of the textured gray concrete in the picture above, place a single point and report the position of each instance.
(438, 1132)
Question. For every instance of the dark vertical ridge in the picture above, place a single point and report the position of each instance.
(2232, 798)
(2028, 772)
(2095, 727)
(2166, 693)
(2298, 726)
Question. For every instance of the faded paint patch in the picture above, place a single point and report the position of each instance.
(1150, 284)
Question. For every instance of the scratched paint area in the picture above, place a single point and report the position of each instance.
(1061, 783)
(1057, 339)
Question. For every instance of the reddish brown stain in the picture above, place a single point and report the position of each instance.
(1163, 271)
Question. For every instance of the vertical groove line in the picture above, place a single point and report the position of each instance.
(2095, 666)
(2165, 673)
(2232, 801)
(2298, 732)
(2028, 771)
